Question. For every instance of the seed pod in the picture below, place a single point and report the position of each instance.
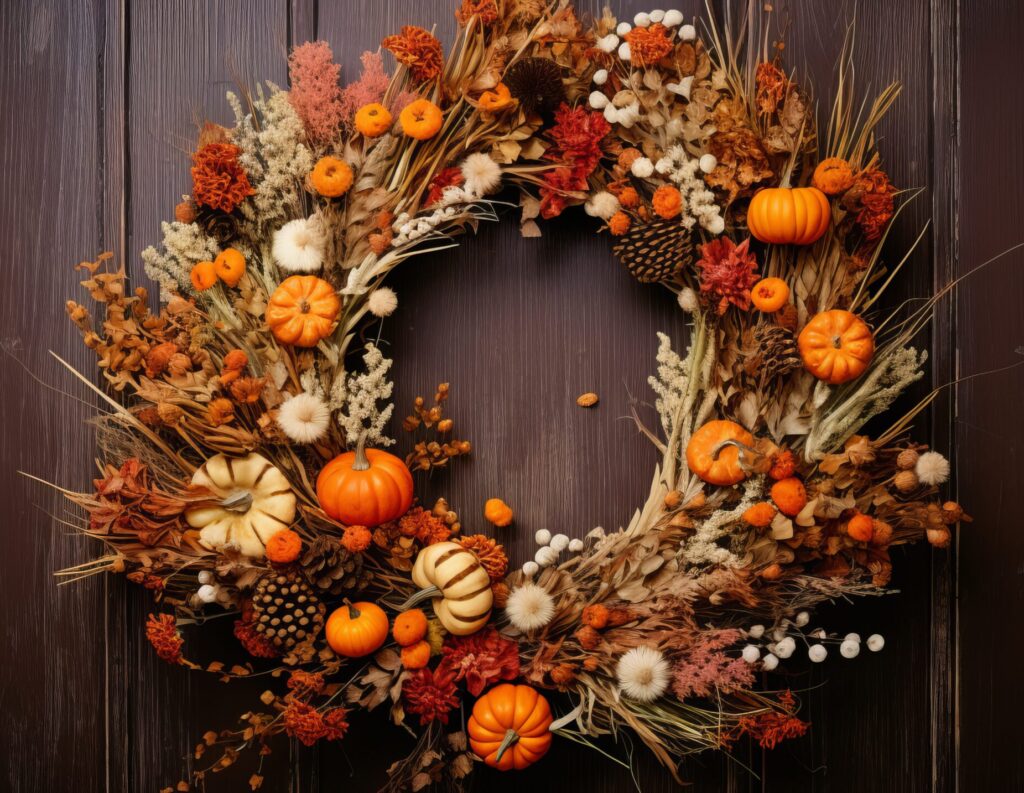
(906, 481)
(907, 459)
(587, 400)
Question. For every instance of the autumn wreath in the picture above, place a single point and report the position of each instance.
(245, 471)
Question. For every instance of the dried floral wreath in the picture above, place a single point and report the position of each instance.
(244, 470)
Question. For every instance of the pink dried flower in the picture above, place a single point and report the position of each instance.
(369, 88)
(727, 272)
(315, 93)
(706, 669)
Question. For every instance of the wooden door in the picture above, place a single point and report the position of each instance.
(101, 99)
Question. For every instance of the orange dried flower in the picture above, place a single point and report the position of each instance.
(627, 157)
(424, 526)
(629, 197)
(220, 411)
(301, 720)
(247, 390)
(833, 176)
(485, 10)
(335, 724)
(783, 465)
(882, 534)
(667, 201)
(772, 86)
(619, 616)
(356, 539)
(861, 527)
(789, 496)
(772, 572)
(588, 637)
(284, 547)
(872, 199)
(302, 683)
(648, 45)
(256, 644)
(596, 616)
(760, 515)
(417, 49)
(218, 180)
(236, 360)
(489, 553)
(498, 99)
(563, 675)
(162, 633)
(159, 357)
(500, 592)
(618, 224)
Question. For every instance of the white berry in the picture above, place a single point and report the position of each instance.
(600, 77)
(657, 15)
(802, 619)
(817, 653)
(624, 53)
(530, 569)
(687, 32)
(673, 18)
(559, 543)
(542, 537)
(785, 648)
(751, 654)
(769, 662)
(623, 28)
(756, 631)
(642, 20)
(608, 43)
(852, 637)
(597, 100)
(207, 593)
(708, 163)
(545, 557)
(575, 546)
(205, 577)
(876, 642)
(849, 649)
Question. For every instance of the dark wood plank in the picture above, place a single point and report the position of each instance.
(990, 431)
(52, 682)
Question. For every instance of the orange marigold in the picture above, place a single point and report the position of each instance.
(424, 526)
(284, 547)
(491, 555)
(301, 720)
(783, 465)
(236, 360)
(629, 197)
(789, 496)
(618, 224)
(162, 633)
(486, 10)
(648, 45)
(417, 49)
(356, 539)
(218, 180)
(247, 390)
(760, 515)
(596, 616)
(220, 411)
(667, 201)
(302, 683)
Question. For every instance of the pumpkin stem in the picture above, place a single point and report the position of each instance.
(511, 739)
(238, 502)
(741, 446)
(361, 463)
(423, 594)
(353, 612)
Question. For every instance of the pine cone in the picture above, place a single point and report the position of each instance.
(775, 352)
(333, 568)
(223, 227)
(655, 252)
(286, 610)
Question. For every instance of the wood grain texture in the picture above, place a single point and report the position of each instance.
(109, 96)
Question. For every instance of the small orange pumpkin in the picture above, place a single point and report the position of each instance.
(416, 656)
(770, 295)
(421, 119)
(510, 727)
(284, 546)
(790, 496)
(833, 176)
(498, 512)
(230, 266)
(410, 626)
(203, 276)
(366, 487)
(356, 629)
(498, 99)
(836, 346)
(714, 452)
(331, 177)
(302, 311)
(789, 215)
(373, 120)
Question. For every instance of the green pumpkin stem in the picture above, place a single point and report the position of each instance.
(419, 597)
(362, 463)
(511, 739)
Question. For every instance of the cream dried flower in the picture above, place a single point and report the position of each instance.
(482, 175)
(932, 468)
(299, 247)
(643, 674)
(688, 301)
(304, 418)
(602, 205)
(382, 302)
(530, 607)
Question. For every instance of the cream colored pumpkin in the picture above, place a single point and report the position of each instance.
(256, 503)
(465, 600)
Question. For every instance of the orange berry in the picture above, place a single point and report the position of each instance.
(203, 276)
(230, 266)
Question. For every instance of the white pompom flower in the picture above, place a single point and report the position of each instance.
(304, 418)
(643, 674)
(298, 246)
(602, 205)
(642, 167)
(689, 303)
(482, 175)
(932, 468)
(382, 302)
(529, 607)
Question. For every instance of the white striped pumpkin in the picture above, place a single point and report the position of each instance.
(255, 502)
(465, 600)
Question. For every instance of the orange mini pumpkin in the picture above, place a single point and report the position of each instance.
(498, 99)
(302, 311)
(230, 266)
(284, 546)
(203, 276)
(833, 176)
(416, 656)
(366, 487)
(789, 215)
(770, 295)
(510, 727)
(373, 120)
(790, 496)
(498, 512)
(836, 346)
(714, 452)
(356, 629)
(331, 177)
(410, 626)
(421, 119)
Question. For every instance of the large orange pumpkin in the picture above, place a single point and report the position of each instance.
(789, 215)
(302, 310)
(713, 452)
(356, 629)
(510, 727)
(366, 487)
(836, 346)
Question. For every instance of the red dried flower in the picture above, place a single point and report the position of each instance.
(315, 91)
(162, 633)
(443, 179)
(424, 526)
(872, 199)
(772, 86)
(648, 45)
(489, 553)
(727, 272)
(417, 49)
(481, 659)
(706, 669)
(486, 10)
(430, 695)
(335, 724)
(254, 643)
(301, 720)
(218, 180)
(577, 136)
(770, 729)
(302, 683)
(356, 539)
(783, 465)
